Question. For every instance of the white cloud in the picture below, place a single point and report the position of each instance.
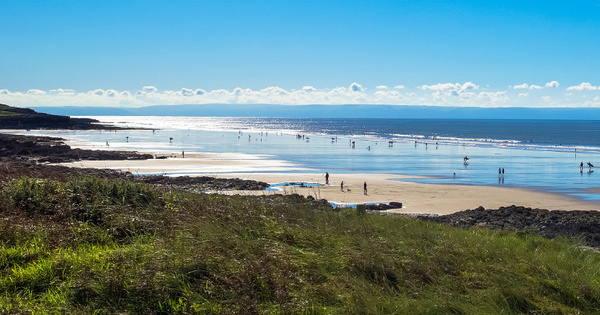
(111, 93)
(526, 86)
(36, 92)
(355, 87)
(521, 86)
(186, 92)
(584, 86)
(149, 89)
(440, 94)
(469, 86)
(98, 92)
(450, 87)
(274, 90)
(62, 91)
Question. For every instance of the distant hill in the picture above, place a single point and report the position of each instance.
(333, 111)
(25, 118)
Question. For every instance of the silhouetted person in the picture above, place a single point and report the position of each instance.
(365, 188)
(342, 186)
(326, 178)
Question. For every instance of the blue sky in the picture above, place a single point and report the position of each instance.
(463, 53)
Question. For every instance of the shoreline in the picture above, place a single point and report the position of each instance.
(382, 188)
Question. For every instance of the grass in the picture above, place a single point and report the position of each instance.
(6, 110)
(87, 245)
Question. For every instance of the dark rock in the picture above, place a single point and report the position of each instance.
(201, 183)
(584, 225)
(383, 206)
(25, 118)
(54, 150)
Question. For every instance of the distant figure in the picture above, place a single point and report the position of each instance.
(499, 171)
(353, 144)
(127, 138)
(590, 165)
(425, 145)
(369, 148)
(182, 154)
(171, 140)
(107, 143)
(465, 160)
(342, 186)
(365, 188)
(454, 175)
(326, 178)
(503, 171)
(581, 167)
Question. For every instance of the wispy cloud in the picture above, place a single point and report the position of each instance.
(584, 86)
(439, 94)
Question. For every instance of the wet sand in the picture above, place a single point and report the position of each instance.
(416, 197)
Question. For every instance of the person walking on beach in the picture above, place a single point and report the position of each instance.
(326, 178)
(182, 154)
(365, 188)
(342, 186)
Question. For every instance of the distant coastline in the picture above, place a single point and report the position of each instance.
(333, 111)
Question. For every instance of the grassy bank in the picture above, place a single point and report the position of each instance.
(88, 245)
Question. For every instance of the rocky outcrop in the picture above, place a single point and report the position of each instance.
(28, 153)
(202, 183)
(25, 118)
(384, 206)
(54, 150)
(579, 224)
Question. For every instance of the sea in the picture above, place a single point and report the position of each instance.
(540, 154)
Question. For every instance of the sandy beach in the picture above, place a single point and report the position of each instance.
(416, 197)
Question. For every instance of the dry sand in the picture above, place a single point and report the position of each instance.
(416, 197)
